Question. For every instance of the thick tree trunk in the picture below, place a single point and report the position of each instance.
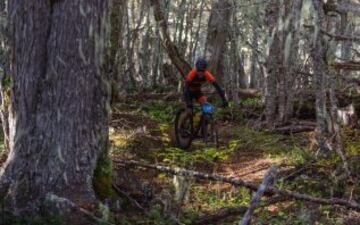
(283, 21)
(59, 101)
(218, 32)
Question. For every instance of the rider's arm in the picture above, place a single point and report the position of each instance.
(220, 91)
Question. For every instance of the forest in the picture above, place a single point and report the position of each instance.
(160, 112)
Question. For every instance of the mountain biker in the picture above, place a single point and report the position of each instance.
(193, 82)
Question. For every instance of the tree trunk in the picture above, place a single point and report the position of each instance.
(238, 60)
(291, 57)
(320, 80)
(218, 32)
(129, 75)
(181, 65)
(4, 76)
(115, 48)
(254, 77)
(272, 62)
(59, 101)
(197, 33)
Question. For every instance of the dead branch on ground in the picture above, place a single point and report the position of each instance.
(238, 182)
(270, 175)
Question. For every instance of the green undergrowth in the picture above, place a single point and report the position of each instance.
(154, 216)
(8, 219)
(208, 155)
(275, 146)
(352, 141)
(298, 213)
(161, 111)
(313, 174)
(2, 146)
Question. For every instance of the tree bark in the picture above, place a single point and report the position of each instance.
(269, 177)
(283, 23)
(320, 80)
(197, 33)
(238, 60)
(181, 65)
(115, 48)
(254, 74)
(4, 75)
(218, 32)
(291, 46)
(59, 101)
(272, 62)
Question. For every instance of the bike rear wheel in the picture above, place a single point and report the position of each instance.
(183, 129)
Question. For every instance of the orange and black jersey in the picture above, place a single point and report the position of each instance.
(193, 83)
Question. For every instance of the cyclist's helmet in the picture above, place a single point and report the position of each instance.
(201, 64)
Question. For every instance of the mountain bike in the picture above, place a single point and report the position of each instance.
(187, 129)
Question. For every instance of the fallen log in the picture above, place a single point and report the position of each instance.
(346, 65)
(167, 96)
(292, 129)
(270, 175)
(249, 93)
(238, 182)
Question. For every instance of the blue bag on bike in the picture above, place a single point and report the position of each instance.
(207, 108)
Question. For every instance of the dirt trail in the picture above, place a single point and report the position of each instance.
(249, 165)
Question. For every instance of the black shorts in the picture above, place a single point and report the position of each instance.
(198, 96)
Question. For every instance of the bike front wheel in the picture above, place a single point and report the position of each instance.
(183, 129)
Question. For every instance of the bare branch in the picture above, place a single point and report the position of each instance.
(270, 175)
(336, 37)
(346, 65)
(343, 7)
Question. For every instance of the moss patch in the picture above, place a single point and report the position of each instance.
(103, 176)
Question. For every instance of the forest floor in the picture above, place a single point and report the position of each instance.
(143, 131)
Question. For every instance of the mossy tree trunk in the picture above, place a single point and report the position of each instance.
(59, 105)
